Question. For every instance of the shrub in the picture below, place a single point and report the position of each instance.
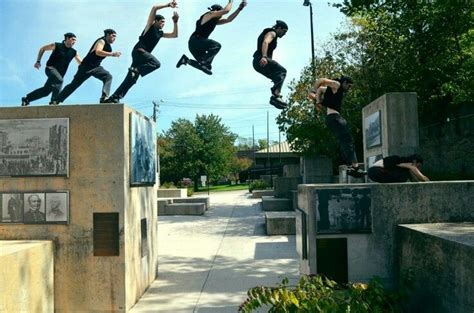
(315, 293)
(258, 185)
(167, 185)
(190, 191)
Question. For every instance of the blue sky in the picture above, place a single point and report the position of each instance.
(235, 92)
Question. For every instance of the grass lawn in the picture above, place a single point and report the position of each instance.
(225, 188)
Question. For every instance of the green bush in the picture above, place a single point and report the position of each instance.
(190, 191)
(315, 293)
(168, 185)
(258, 185)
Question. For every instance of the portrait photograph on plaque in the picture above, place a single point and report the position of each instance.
(34, 208)
(143, 151)
(345, 210)
(57, 207)
(373, 130)
(12, 208)
(34, 147)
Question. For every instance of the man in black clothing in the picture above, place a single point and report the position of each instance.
(329, 93)
(90, 66)
(396, 169)
(143, 62)
(56, 68)
(201, 47)
(264, 63)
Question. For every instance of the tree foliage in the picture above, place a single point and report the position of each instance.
(425, 47)
(189, 149)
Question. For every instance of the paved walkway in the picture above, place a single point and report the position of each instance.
(207, 263)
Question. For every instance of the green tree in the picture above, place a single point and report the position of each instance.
(239, 165)
(204, 147)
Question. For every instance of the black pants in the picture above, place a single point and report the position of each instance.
(145, 63)
(338, 125)
(384, 175)
(272, 70)
(53, 85)
(81, 76)
(203, 49)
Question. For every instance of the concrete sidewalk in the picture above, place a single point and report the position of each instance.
(207, 263)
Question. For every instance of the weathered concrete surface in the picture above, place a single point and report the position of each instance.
(280, 223)
(201, 199)
(316, 170)
(439, 258)
(26, 276)
(261, 193)
(172, 193)
(284, 185)
(183, 209)
(392, 204)
(99, 181)
(275, 204)
(292, 170)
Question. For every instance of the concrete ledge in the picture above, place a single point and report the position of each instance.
(439, 258)
(260, 193)
(26, 276)
(183, 209)
(284, 185)
(280, 223)
(172, 193)
(204, 200)
(276, 204)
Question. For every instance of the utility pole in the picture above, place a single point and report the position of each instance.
(155, 110)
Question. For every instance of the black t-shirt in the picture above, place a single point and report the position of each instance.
(271, 46)
(92, 60)
(147, 41)
(333, 100)
(204, 30)
(61, 57)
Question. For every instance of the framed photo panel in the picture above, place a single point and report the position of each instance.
(345, 210)
(373, 130)
(34, 147)
(12, 208)
(57, 207)
(34, 208)
(143, 151)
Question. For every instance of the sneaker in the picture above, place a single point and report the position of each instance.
(112, 99)
(278, 102)
(53, 102)
(103, 100)
(206, 69)
(356, 172)
(183, 61)
(25, 102)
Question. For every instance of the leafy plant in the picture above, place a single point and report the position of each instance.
(316, 293)
(168, 185)
(258, 185)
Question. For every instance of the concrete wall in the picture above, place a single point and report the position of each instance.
(399, 124)
(284, 185)
(172, 193)
(316, 170)
(98, 181)
(26, 276)
(438, 259)
(392, 204)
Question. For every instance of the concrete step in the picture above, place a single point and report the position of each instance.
(276, 204)
(183, 209)
(261, 193)
(172, 193)
(204, 200)
(280, 223)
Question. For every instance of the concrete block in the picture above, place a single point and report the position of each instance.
(439, 258)
(291, 170)
(26, 276)
(316, 170)
(284, 185)
(184, 209)
(276, 204)
(162, 203)
(280, 223)
(205, 200)
(261, 193)
(172, 193)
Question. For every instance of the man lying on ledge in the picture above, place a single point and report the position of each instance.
(396, 169)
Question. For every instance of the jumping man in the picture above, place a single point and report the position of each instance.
(90, 66)
(143, 62)
(329, 93)
(264, 63)
(55, 69)
(201, 47)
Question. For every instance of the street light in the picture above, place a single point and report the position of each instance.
(307, 3)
